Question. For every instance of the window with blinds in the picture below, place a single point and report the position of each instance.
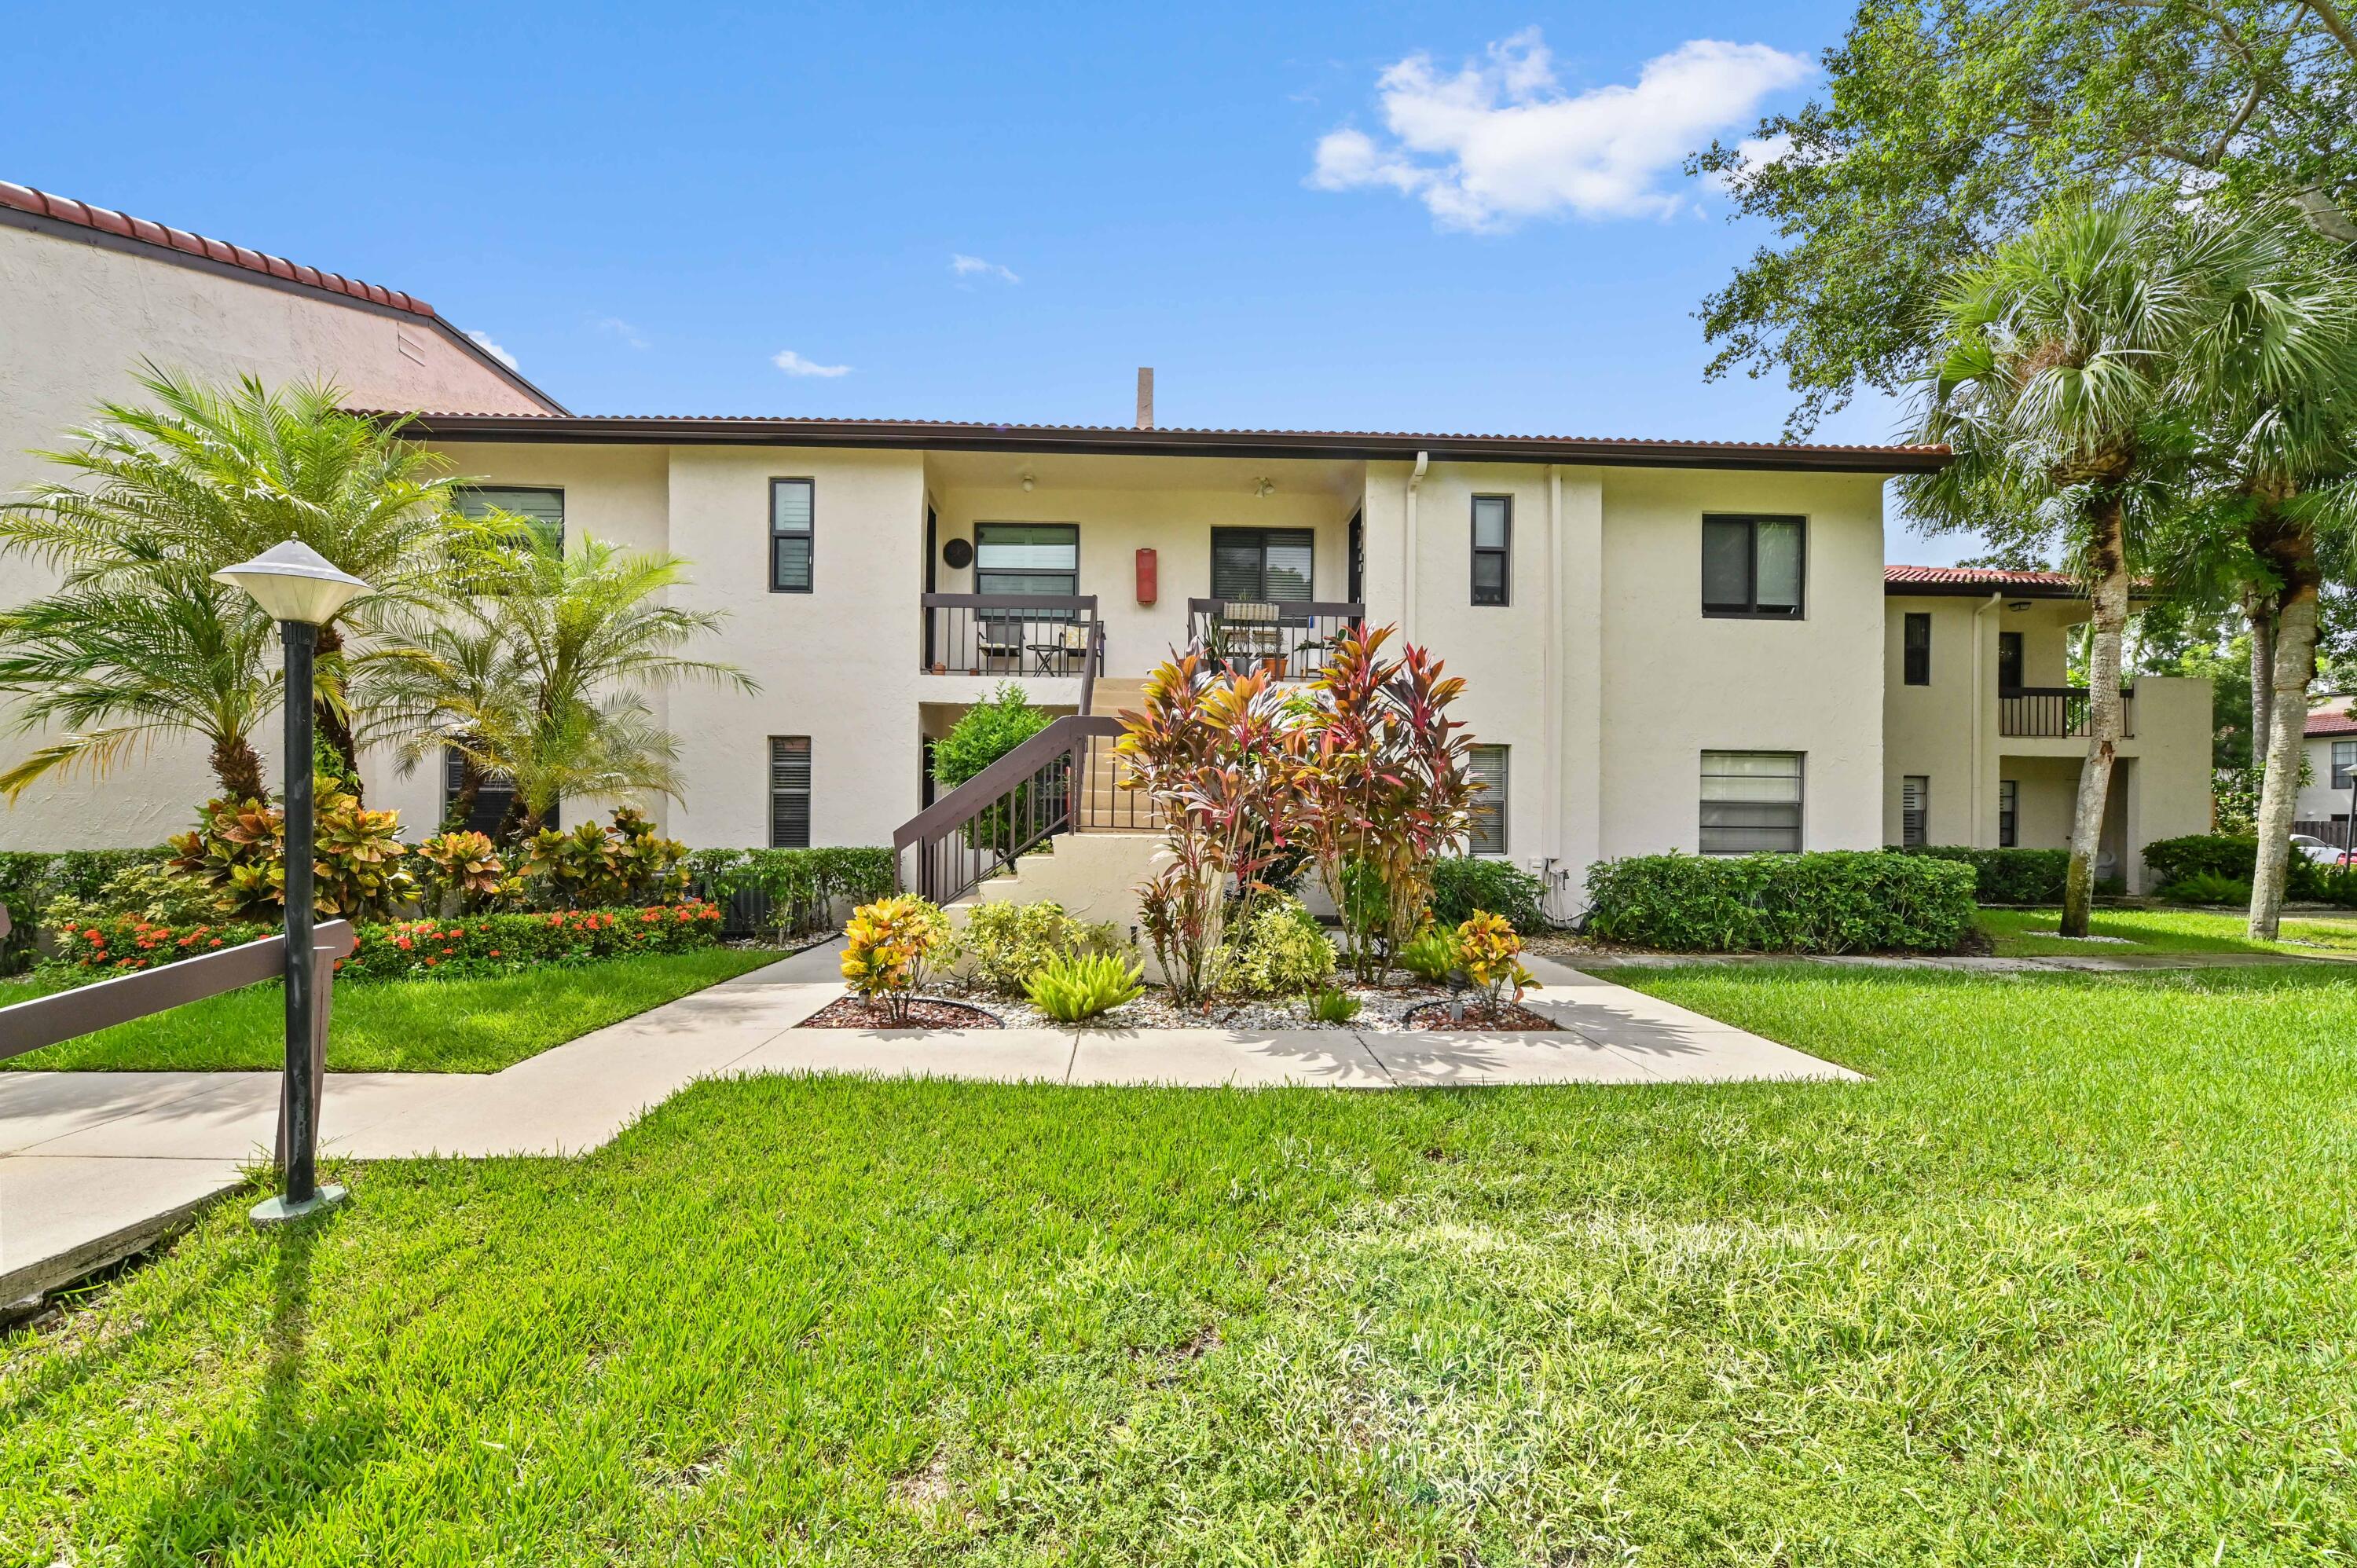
(491, 797)
(1269, 564)
(791, 504)
(2345, 762)
(1917, 649)
(2008, 814)
(1751, 801)
(1487, 764)
(1026, 558)
(790, 792)
(1753, 566)
(1914, 810)
(542, 508)
(1493, 532)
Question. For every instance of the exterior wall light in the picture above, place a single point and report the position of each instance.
(298, 589)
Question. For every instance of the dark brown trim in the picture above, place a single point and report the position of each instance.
(957, 436)
(1983, 590)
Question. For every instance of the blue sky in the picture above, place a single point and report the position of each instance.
(1464, 217)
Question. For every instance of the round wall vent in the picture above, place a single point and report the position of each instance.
(957, 555)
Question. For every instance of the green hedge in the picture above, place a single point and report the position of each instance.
(405, 950)
(1462, 884)
(1830, 901)
(2005, 876)
(30, 878)
(2224, 857)
(790, 889)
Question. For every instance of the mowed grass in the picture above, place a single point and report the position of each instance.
(399, 1026)
(2067, 1282)
(2031, 934)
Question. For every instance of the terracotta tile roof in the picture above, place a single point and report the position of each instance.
(1977, 577)
(2331, 721)
(65, 209)
(807, 430)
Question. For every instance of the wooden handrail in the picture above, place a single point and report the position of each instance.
(977, 794)
(46, 1020)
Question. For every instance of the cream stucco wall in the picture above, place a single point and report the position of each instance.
(76, 320)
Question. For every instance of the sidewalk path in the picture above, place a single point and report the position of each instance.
(96, 1165)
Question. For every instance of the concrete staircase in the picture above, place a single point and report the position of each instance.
(1105, 806)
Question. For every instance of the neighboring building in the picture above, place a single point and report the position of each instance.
(1984, 738)
(2332, 743)
(1667, 645)
(86, 296)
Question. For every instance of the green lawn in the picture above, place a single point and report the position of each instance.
(2067, 1282)
(2029, 933)
(400, 1026)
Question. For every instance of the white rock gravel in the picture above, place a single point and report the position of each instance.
(1382, 1011)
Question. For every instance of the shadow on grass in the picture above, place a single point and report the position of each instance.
(303, 1439)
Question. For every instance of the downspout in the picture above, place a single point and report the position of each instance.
(1551, 675)
(1407, 536)
(1973, 795)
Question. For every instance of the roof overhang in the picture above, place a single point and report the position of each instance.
(953, 435)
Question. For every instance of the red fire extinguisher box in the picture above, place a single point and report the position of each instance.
(1148, 577)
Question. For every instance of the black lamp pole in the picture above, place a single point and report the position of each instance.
(302, 640)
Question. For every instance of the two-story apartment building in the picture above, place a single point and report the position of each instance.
(1667, 645)
(1984, 735)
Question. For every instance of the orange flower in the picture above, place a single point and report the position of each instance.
(403, 943)
(431, 960)
(495, 953)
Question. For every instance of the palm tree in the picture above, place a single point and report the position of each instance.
(2280, 372)
(121, 668)
(541, 677)
(207, 477)
(2058, 387)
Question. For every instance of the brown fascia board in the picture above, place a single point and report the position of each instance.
(1983, 590)
(951, 435)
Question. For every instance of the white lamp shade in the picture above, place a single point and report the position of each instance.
(294, 582)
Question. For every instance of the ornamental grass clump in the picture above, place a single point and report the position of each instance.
(1334, 1006)
(889, 947)
(1073, 989)
(1007, 944)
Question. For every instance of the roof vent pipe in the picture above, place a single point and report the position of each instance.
(1145, 397)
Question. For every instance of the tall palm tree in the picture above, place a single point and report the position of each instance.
(121, 668)
(2059, 386)
(2280, 372)
(205, 476)
(541, 677)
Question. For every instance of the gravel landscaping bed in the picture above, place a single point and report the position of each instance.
(1382, 1010)
(924, 1013)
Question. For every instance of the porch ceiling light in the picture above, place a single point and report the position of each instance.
(1266, 488)
(294, 582)
(1027, 483)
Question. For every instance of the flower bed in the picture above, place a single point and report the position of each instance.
(1384, 1009)
(474, 946)
(924, 1013)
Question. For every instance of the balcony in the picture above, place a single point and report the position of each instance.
(2053, 712)
(1248, 633)
(1012, 634)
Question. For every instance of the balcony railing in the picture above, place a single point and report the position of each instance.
(1012, 634)
(1246, 633)
(2053, 712)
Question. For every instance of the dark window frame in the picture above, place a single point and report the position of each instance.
(1261, 536)
(1496, 803)
(2338, 770)
(1915, 821)
(1505, 553)
(1751, 609)
(467, 492)
(1028, 572)
(1915, 656)
(1800, 807)
(2008, 814)
(808, 792)
(810, 534)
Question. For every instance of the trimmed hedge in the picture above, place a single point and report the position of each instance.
(405, 949)
(2225, 857)
(783, 890)
(2005, 876)
(1827, 901)
(1462, 884)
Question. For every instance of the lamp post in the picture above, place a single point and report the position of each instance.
(298, 589)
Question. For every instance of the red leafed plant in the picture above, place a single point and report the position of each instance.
(1383, 790)
(1218, 752)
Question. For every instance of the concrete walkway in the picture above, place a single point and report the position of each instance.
(95, 1165)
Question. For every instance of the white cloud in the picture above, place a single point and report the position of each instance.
(966, 266)
(483, 342)
(615, 327)
(1499, 141)
(793, 364)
